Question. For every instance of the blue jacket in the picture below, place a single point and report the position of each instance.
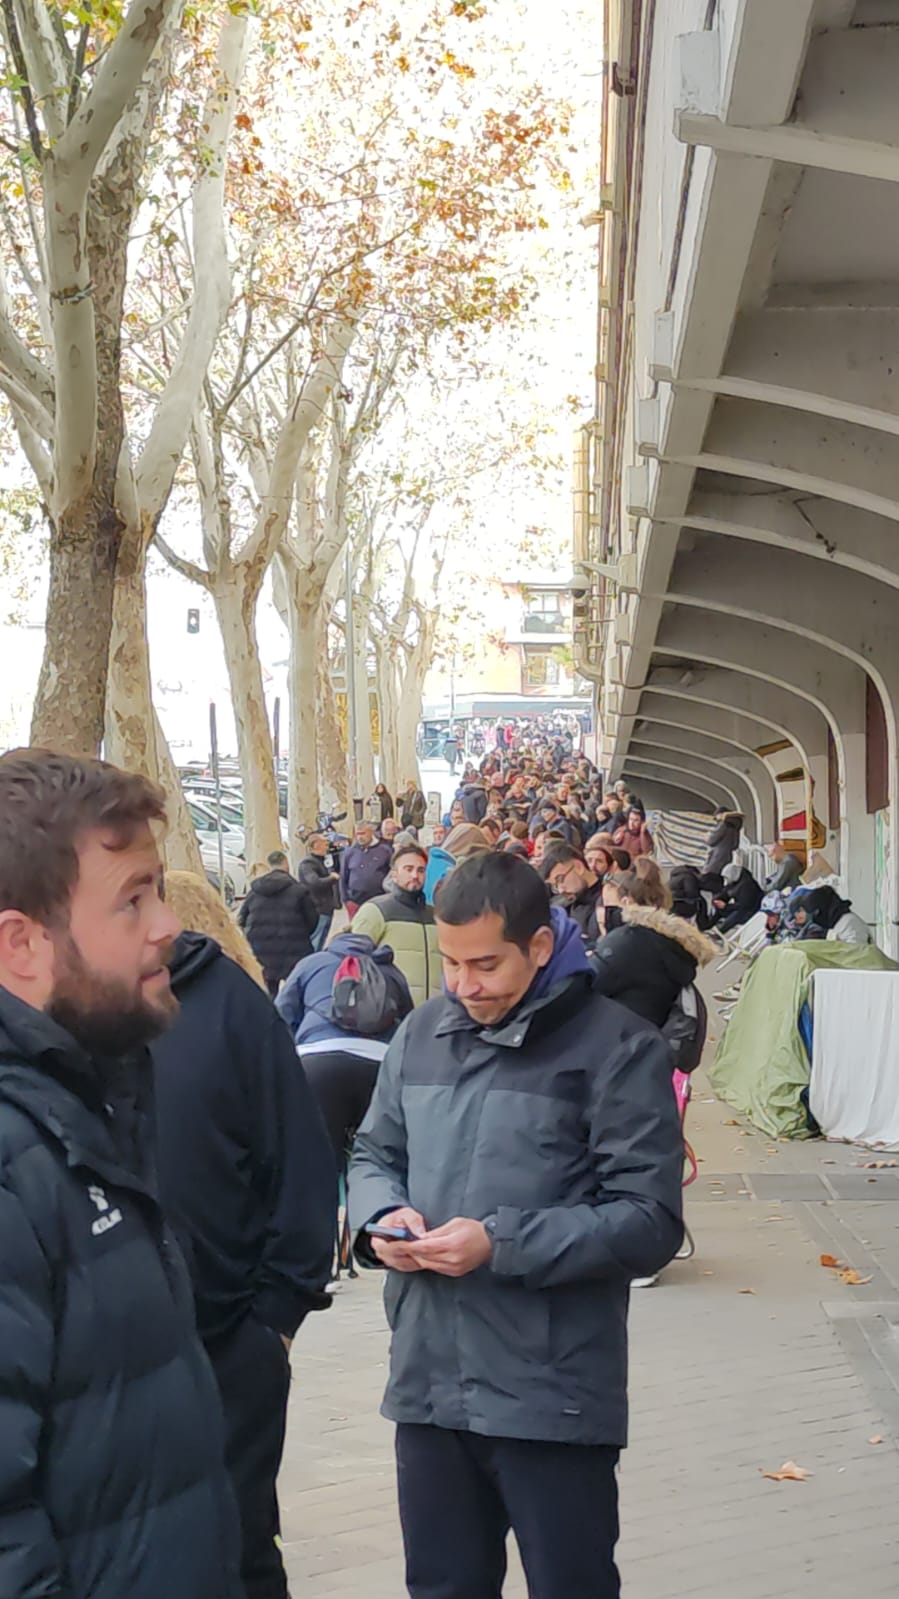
(305, 999)
(439, 863)
(559, 1124)
(362, 872)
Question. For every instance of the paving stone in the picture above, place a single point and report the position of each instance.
(724, 1385)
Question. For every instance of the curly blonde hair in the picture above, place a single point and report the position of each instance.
(199, 909)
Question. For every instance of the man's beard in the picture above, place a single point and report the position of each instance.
(103, 1014)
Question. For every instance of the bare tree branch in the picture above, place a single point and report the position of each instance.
(188, 569)
(212, 278)
(47, 67)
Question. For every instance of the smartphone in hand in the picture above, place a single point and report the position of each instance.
(392, 1235)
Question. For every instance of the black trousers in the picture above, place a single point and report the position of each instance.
(253, 1373)
(343, 1085)
(460, 1494)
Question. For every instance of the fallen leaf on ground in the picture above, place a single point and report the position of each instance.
(731, 1122)
(789, 1472)
(831, 1260)
(708, 1274)
(745, 1290)
(853, 1279)
(745, 1191)
(878, 1165)
(875, 1440)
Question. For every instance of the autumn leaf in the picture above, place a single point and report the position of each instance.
(831, 1261)
(745, 1290)
(853, 1279)
(876, 1439)
(789, 1472)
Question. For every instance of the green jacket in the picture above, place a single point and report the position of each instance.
(405, 921)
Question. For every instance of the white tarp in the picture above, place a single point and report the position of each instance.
(855, 1066)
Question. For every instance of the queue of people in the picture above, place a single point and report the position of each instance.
(186, 1247)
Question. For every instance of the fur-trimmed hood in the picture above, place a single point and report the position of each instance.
(682, 932)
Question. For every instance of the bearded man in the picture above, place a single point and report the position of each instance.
(111, 1451)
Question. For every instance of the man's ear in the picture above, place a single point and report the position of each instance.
(23, 946)
(542, 945)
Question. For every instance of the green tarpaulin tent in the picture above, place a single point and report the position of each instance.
(761, 1066)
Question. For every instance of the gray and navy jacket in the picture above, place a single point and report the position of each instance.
(561, 1124)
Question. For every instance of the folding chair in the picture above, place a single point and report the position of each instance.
(749, 940)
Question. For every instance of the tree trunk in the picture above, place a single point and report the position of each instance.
(365, 754)
(408, 716)
(303, 621)
(180, 847)
(235, 605)
(387, 699)
(333, 775)
(130, 733)
(70, 704)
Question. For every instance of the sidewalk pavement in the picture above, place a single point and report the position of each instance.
(748, 1356)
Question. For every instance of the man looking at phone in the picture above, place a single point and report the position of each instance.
(523, 1137)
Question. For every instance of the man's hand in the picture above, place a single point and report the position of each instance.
(397, 1255)
(286, 1342)
(455, 1249)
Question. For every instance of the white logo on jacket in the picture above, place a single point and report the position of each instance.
(107, 1218)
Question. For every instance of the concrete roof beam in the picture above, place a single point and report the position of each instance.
(846, 117)
(782, 713)
(748, 774)
(809, 525)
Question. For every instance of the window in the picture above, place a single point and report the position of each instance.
(543, 602)
(541, 669)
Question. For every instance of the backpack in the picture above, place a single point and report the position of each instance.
(362, 1001)
(685, 1029)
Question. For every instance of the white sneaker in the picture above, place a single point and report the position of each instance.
(644, 1282)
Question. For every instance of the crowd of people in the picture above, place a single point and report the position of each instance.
(508, 1138)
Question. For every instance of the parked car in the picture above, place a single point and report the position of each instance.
(204, 819)
(235, 870)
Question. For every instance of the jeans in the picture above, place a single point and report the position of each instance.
(460, 1493)
(321, 930)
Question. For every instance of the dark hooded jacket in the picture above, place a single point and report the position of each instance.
(111, 1474)
(559, 1127)
(723, 842)
(318, 879)
(305, 1000)
(742, 898)
(646, 961)
(474, 802)
(245, 1167)
(278, 917)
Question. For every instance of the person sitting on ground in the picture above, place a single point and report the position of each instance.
(740, 901)
(246, 1177)
(404, 920)
(647, 959)
(567, 874)
(279, 917)
(685, 883)
(635, 836)
(414, 805)
(724, 839)
(364, 866)
(341, 1066)
(788, 870)
(820, 913)
(460, 842)
(322, 884)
